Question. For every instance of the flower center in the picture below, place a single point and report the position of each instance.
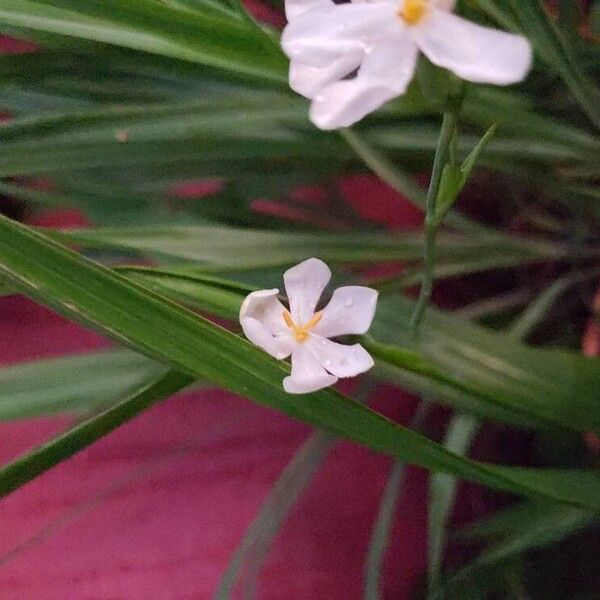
(301, 331)
(412, 11)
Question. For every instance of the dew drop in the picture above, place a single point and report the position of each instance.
(327, 362)
(349, 302)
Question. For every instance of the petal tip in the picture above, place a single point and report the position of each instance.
(295, 385)
(252, 296)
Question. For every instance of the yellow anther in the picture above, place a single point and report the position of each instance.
(412, 11)
(301, 331)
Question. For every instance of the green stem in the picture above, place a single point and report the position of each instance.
(431, 223)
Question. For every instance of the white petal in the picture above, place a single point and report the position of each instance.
(304, 285)
(261, 317)
(321, 36)
(307, 373)
(264, 306)
(350, 311)
(446, 5)
(280, 345)
(471, 51)
(309, 81)
(384, 74)
(340, 360)
(295, 8)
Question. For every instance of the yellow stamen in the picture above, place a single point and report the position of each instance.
(301, 331)
(412, 11)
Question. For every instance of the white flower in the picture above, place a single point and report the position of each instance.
(317, 362)
(378, 41)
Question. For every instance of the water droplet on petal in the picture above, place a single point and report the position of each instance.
(349, 302)
(327, 362)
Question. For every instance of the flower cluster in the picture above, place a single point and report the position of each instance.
(351, 58)
(304, 334)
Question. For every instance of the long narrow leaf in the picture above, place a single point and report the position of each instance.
(72, 384)
(27, 467)
(82, 289)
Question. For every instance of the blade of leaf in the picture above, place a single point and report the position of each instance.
(533, 20)
(217, 38)
(557, 385)
(531, 526)
(36, 462)
(382, 529)
(442, 493)
(92, 294)
(220, 247)
(72, 384)
(463, 428)
(440, 377)
(283, 495)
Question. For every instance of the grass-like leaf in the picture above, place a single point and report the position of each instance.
(72, 384)
(92, 294)
(39, 460)
(212, 36)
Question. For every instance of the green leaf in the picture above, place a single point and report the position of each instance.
(72, 384)
(535, 23)
(442, 493)
(220, 247)
(212, 36)
(485, 376)
(484, 372)
(211, 294)
(282, 496)
(39, 460)
(382, 528)
(97, 297)
(523, 527)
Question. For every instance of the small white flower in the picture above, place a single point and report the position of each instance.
(317, 362)
(379, 41)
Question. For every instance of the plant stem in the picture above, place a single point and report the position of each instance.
(431, 223)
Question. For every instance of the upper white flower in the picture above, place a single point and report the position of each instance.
(317, 362)
(352, 58)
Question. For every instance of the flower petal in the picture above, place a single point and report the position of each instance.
(384, 74)
(264, 306)
(309, 81)
(350, 311)
(295, 8)
(304, 285)
(446, 5)
(280, 346)
(307, 373)
(321, 36)
(261, 317)
(473, 52)
(340, 360)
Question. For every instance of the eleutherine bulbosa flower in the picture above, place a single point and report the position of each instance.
(351, 58)
(303, 332)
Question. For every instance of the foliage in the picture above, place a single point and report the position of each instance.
(126, 100)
